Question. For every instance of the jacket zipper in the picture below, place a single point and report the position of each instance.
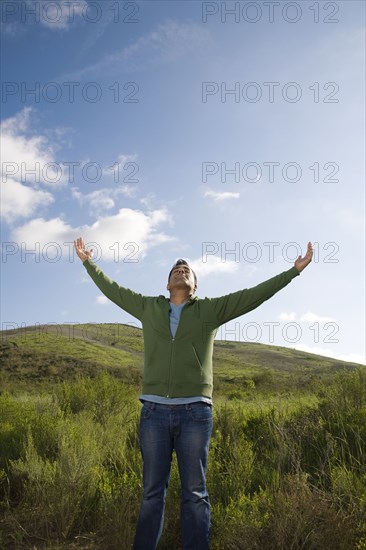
(172, 346)
(170, 367)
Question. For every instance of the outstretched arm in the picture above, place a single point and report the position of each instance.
(237, 303)
(130, 301)
(302, 262)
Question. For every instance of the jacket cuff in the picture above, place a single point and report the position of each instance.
(294, 271)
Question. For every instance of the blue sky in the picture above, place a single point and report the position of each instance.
(160, 130)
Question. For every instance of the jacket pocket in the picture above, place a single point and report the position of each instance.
(197, 359)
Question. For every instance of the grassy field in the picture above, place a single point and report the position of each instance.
(287, 467)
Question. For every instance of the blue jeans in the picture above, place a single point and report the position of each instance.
(187, 430)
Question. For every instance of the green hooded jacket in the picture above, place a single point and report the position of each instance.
(182, 366)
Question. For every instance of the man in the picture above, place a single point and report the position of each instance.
(176, 415)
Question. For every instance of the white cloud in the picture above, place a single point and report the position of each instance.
(101, 299)
(98, 200)
(27, 162)
(18, 123)
(124, 162)
(102, 199)
(349, 357)
(310, 317)
(152, 201)
(213, 265)
(27, 158)
(170, 41)
(223, 195)
(128, 190)
(43, 232)
(149, 200)
(18, 200)
(59, 14)
(106, 198)
(307, 317)
(127, 234)
(287, 316)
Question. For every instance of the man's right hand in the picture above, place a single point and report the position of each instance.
(81, 251)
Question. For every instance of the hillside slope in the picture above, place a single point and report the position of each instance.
(46, 353)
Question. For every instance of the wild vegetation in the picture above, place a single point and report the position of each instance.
(287, 465)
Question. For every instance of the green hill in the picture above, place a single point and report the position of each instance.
(287, 465)
(47, 353)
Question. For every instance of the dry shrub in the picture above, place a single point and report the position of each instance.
(306, 519)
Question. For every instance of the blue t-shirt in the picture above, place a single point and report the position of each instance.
(174, 316)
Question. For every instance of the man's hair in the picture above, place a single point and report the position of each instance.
(182, 262)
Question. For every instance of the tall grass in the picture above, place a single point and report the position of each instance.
(280, 477)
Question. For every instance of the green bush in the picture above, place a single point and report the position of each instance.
(280, 475)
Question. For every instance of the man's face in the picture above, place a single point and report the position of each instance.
(182, 278)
